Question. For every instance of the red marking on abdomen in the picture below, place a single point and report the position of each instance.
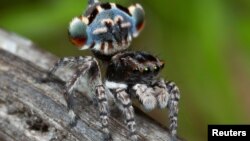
(79, 42)
(140, 26)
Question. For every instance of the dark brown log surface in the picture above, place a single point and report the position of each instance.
(35, 111)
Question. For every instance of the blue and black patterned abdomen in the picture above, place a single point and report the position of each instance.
(107, 28)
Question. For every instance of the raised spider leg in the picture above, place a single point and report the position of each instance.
(125, 104)
(68, 89)
(86, 65)
(66, 61)
(168, 94)
(164, 94)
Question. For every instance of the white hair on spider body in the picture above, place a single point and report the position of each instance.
(115, 85)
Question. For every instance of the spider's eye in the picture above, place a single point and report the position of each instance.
(77, 31)
(137, 13)
(146, 70)
(156, 68)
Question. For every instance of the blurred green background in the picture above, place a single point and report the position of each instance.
(205, 43)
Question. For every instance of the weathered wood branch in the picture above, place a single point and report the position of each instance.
(35, 111)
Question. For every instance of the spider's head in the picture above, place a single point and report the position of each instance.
(144, 68)
(107, 28)
(134, 67)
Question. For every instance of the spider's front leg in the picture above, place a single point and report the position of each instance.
(86, 67)
(145, 95)
(168, 94)
(125, 104)
(161, 93)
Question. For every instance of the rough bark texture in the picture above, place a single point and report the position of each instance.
(35, 111)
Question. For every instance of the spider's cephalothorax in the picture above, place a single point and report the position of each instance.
(134, 67)
(107, 30)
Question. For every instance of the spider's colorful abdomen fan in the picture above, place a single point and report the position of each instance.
(138, 14)
(77, 31)
(107, 28)
(133, 67)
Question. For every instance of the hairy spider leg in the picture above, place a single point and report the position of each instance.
(86, 65)
(174, 97)
(168, 95)
(66, 61)
(146, 96)
(125, 105)
(68, 89)
(165, 94)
